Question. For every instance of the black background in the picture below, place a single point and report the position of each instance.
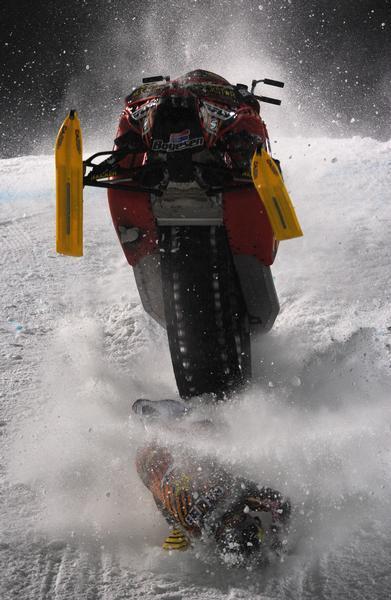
(334, 56)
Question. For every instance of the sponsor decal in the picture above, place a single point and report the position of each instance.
(213, 124)
(213, 90)
(182, 136)
(210, 123)
(200, 89)
(218, 112)
(141, 112)
(176, 144)
(146, 90)
(102, 175)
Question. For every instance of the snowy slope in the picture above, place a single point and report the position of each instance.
(76, 349)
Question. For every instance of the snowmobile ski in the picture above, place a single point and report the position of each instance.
(69, 187)
(274, 195)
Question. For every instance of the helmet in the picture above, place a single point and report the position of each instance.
(239, 534)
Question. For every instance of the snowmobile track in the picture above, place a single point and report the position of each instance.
(205, 313)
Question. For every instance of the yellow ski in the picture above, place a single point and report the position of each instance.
(275, 198)
(69, 187)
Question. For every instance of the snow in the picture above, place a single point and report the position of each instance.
(76, 349)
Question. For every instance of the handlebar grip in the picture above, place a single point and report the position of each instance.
(279, 84)
(269, 100)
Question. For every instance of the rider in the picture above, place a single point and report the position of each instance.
(200, 498)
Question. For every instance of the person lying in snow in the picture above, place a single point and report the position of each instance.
(199, 498)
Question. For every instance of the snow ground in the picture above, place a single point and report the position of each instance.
(76, 350)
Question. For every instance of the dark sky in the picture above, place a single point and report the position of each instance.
(334, 56)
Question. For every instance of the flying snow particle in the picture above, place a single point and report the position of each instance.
(352, 120)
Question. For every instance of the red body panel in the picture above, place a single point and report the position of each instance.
(134, 210)
(248, 227)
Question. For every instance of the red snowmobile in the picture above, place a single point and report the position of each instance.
(199, 207)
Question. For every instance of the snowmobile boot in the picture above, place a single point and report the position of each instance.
(177, 540)
(159, 410)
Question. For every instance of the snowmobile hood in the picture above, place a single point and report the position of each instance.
(198, 83)
(201, 76)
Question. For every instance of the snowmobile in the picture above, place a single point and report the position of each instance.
(199, 207)
(201, 499)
